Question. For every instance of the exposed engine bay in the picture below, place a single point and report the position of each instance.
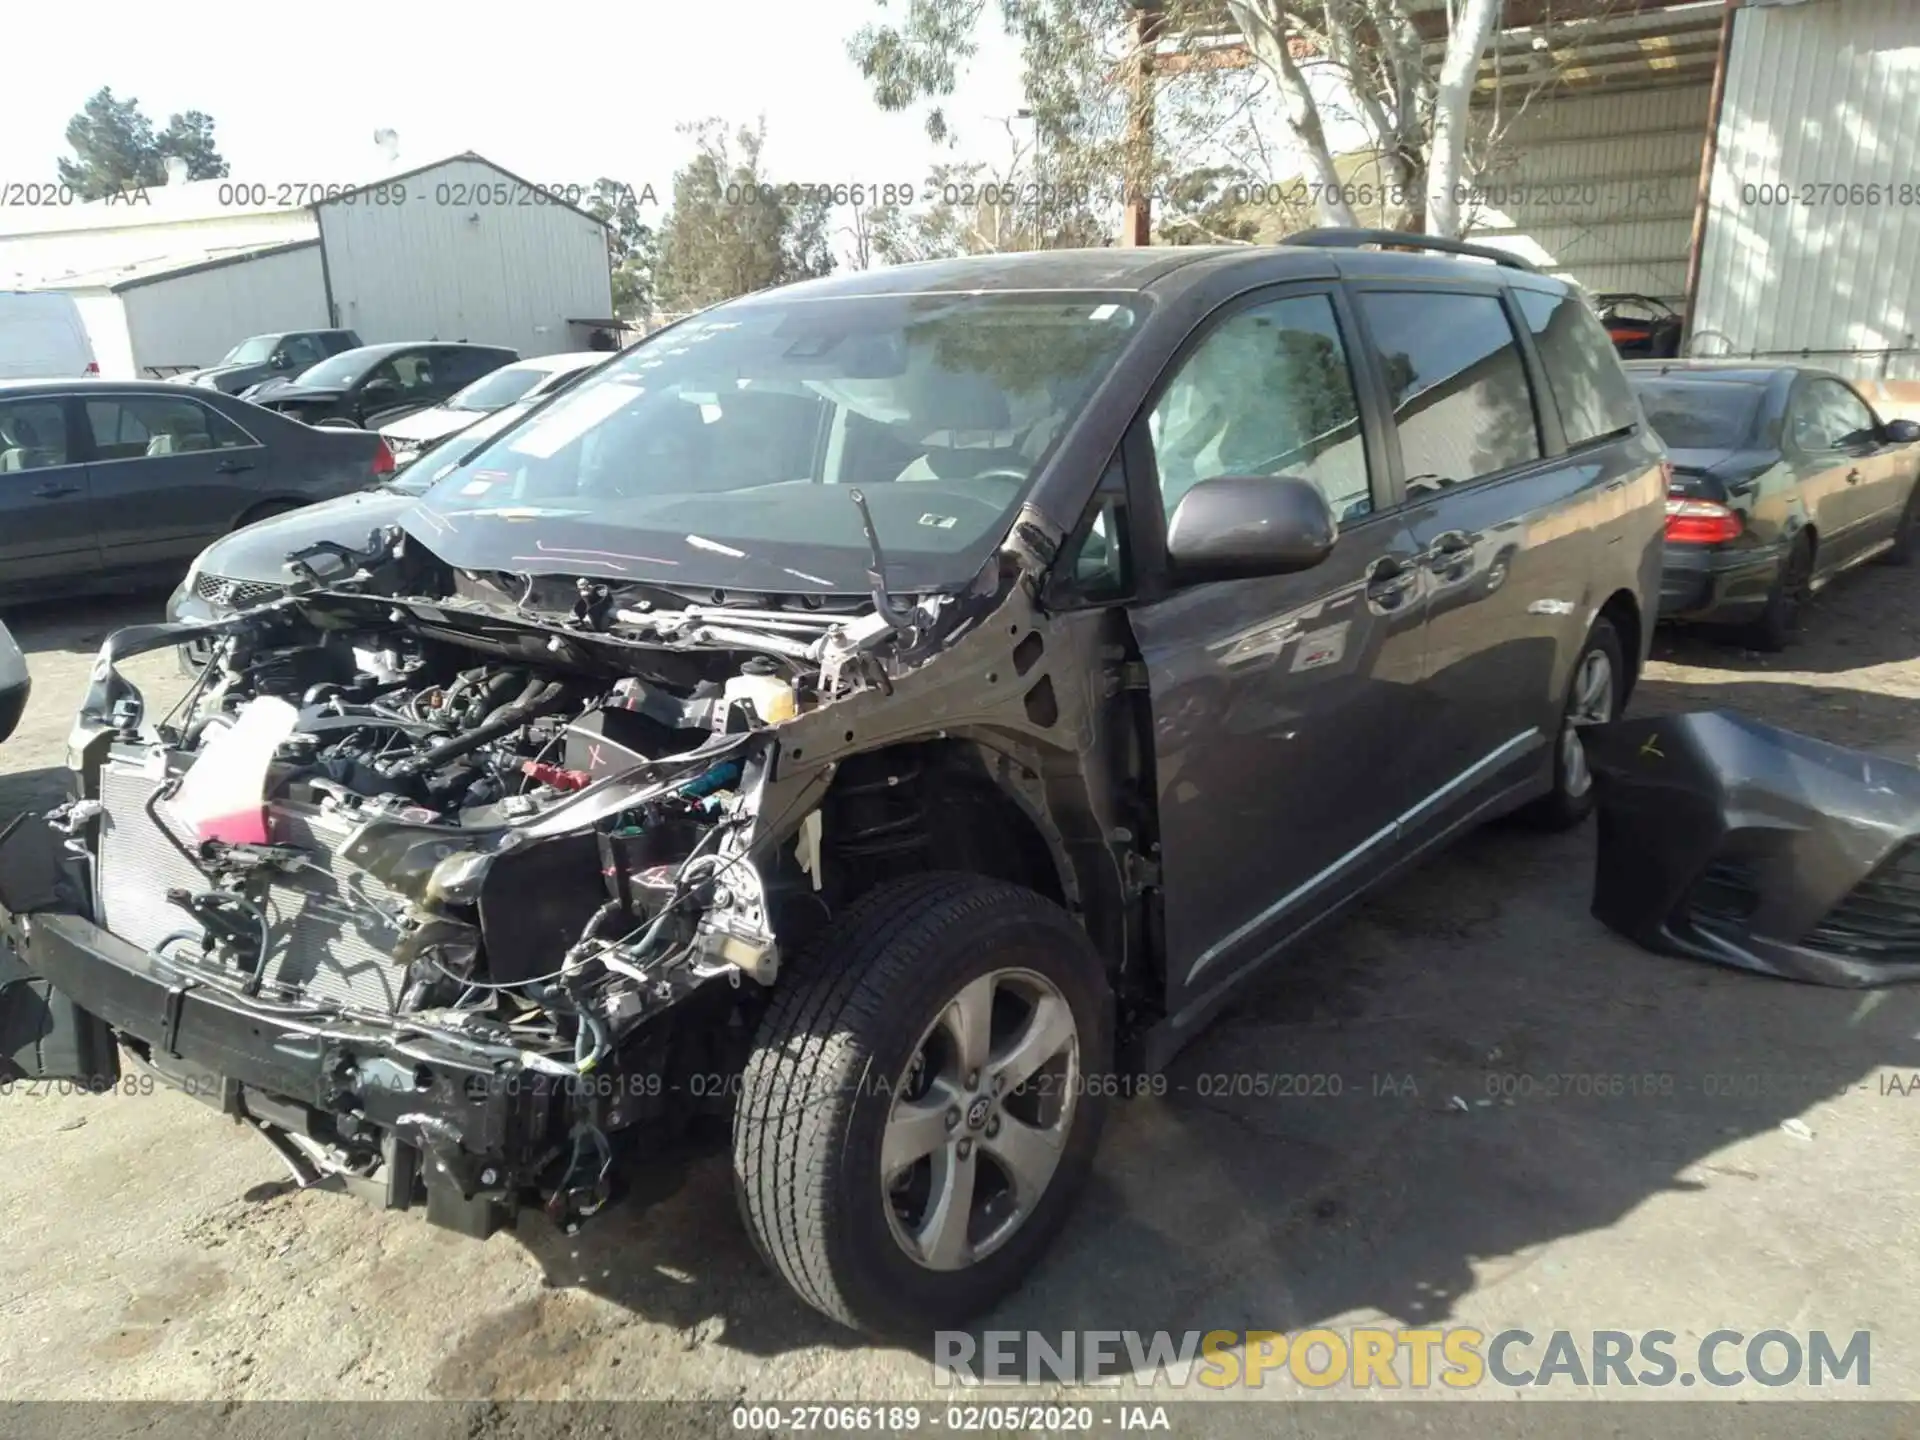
(501, 855)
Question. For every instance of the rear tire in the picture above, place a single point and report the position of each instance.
(1786, 599)
(1906, 539)
(1595, 694)
(857, 1115)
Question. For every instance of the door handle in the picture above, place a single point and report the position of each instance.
(53, 490)
(1853, 477)
(1450, 545)
(233, 467)
(1388, 583)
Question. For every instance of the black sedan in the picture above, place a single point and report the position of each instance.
(376, 384)
(1783, 477)
(116, 484)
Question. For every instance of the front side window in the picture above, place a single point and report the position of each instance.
(1458, 385)
(1582, 366)
(1268, 392)
(1829, 416)
(33, 435)
(142, 426)
(721, 452)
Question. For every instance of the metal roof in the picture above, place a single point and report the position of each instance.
(118, 278)
(221, 199)
(1577, 45)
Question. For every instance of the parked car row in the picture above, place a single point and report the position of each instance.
(1783, 478)
(108, 484)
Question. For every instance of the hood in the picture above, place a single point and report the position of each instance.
(259, 551)
(230, 378)
(281, 388)
(287, 390)
(434, 423)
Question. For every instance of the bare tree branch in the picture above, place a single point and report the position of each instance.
(1466, 43)
(1264, 25)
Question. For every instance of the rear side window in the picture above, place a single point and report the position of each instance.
(1582, 367)
(1457, 382)
(139, 427)
(33, 435)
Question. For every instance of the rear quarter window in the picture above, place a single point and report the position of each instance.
(1583, 370)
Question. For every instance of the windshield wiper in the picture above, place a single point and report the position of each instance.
(897, 615)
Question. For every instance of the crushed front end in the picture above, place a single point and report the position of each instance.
(461, 900)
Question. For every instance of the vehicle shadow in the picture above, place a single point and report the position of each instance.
(1866, 617)
(22, 791)
(1466, 1069)
(80, 625)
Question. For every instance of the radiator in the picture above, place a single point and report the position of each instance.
(324, 945)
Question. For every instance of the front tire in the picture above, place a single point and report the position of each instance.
(1595, 695)
(922, 1104)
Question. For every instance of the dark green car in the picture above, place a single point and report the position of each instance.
(1783, 477)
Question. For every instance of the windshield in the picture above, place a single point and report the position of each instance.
(721, 452)
(419, 473)
(502, 387)
(1699, 414)
(250, 352)
(342, 369)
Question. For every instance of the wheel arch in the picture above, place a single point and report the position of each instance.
(1622, 611)
(994, 808)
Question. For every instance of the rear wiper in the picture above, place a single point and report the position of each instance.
(897, 615)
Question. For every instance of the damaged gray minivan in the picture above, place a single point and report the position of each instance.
(858, 714)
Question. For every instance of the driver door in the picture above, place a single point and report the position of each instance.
(1285, 708)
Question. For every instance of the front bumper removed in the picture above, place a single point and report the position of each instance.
(1726, 839)
(458, 1121)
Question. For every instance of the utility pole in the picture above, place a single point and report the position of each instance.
(1136, 228)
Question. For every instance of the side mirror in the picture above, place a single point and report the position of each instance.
(1901, 432)
(280, 360)
(1238, 526)
(379, 390)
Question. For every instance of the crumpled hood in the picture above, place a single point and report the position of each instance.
(259, 551)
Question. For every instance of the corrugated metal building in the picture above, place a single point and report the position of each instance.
(1747, 161)
(156, 319)
(1593, 115)
(457, 250)
(1812, 223)
(472, 253)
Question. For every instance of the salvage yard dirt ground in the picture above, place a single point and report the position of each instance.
(156, 1251)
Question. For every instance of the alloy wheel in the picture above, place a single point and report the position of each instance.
(1591, 704)
(980, 1118)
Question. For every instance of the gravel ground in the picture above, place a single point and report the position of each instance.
(158, 1252)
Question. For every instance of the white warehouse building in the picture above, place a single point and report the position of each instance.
(457, 250)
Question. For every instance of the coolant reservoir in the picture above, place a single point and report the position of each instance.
(773, 698)
(223, 797)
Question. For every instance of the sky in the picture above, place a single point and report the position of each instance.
(560, 92)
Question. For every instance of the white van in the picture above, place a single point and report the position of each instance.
(41, 337)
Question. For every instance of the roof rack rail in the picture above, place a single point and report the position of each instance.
(1338, 238)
